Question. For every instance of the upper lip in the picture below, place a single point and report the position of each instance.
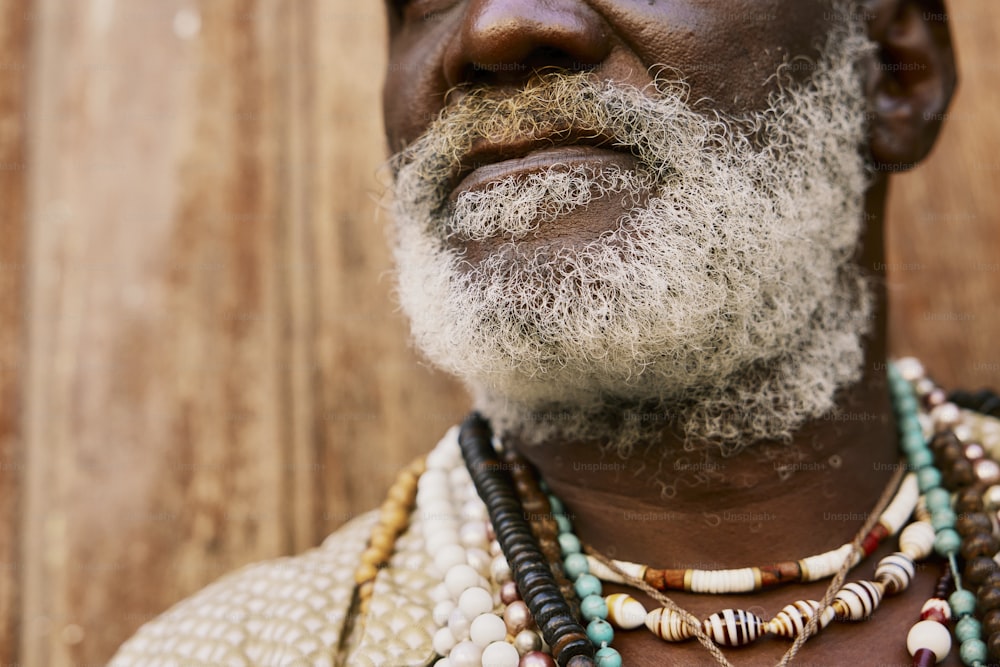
(485, 152)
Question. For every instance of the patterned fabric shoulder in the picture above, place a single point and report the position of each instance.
(289, 611)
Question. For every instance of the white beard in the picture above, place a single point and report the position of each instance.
(729, 304)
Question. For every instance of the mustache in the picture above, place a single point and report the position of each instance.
(555, 109)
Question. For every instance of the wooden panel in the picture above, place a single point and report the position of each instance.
(14, 49)
(216, 372)
(943, 233)
(156, 411)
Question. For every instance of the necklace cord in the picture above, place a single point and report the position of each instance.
(694, 623)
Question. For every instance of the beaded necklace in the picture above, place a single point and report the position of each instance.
(484, 620)
(752, 579)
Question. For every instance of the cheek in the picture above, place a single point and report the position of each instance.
(726, 50)
(414, 90)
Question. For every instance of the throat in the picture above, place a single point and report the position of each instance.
(670, 507)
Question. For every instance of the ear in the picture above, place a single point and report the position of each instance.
(911, 81)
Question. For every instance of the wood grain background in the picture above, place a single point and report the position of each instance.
(200, 360)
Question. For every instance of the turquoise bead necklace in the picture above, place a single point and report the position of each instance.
(947, 542)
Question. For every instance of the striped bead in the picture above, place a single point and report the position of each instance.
(625, 612)
(895, 572)
(856, 601)
(668, 625)
(792, 620)
(733, 627)
(917, 540)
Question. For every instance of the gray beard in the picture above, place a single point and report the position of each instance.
(728, 305)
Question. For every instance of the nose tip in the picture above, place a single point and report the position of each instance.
(507, 41)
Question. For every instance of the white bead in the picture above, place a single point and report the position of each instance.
(443, 662)
(931, 635)
(945, 416)
(896, 514)
(991, 498)
(625, 612)
(437, 541)
(458, 624)
(442, 610)
(466, 654)
(500, 570)
(910, 368)
(437, 460)
(478, 560)
(436, 508)
(500, 654)
(605, 573)
(473, 534)
(487, 628)
(475, 601)
(433, 483)
(459, 577)
(917, 540)
(723, 581)
(459, 476)
(444, 641)
(474, 510)
(987, 471)
(495, 548)
(448, 557)
(440, 593)
(924, 386)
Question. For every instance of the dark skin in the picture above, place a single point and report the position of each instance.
(747, 512)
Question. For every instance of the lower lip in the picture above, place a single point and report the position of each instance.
(545, 158)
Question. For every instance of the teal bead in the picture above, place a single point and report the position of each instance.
(920, 459)
(907, 403)
(968, 628)
(576, 564)
(938, 499)
(564, 525)
(913, 443)
(608, 657)
(973, 652)
(600, 632)
(902, 398)
(928, 478)
(962, 603)
(944, 518)
(946, 542)
(593, 606)
(569, 543)
(911, 428)
(587, 584)
(556, 505)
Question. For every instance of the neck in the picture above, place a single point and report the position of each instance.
(671, 508)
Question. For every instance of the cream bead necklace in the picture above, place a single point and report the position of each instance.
(752, 579)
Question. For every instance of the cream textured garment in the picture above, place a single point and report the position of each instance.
(293, 612)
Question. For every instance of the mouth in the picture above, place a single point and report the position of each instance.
(489, 162)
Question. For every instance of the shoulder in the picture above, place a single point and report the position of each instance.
(301, 610)
(286, 611)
